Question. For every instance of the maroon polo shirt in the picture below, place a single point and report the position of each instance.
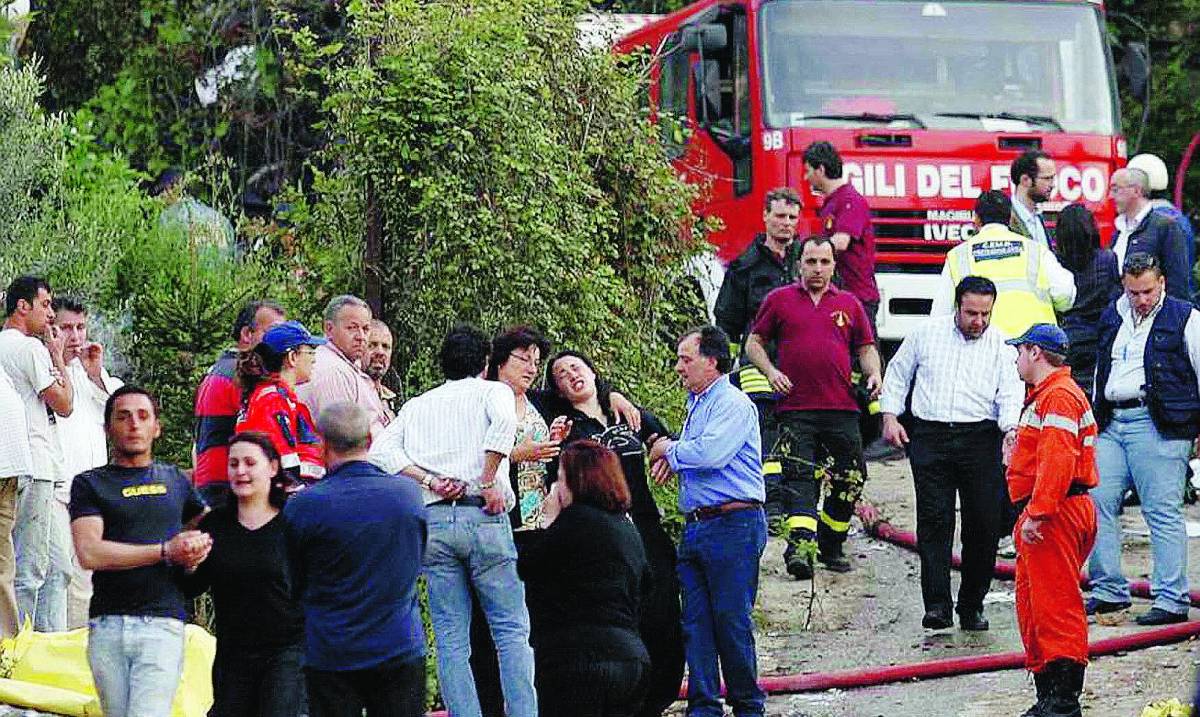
(814, 342)
(845, 210)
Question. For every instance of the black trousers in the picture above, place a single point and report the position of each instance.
(590, 688)
(963, 460)
(390, 689)
(829, 440)
(661, 629)
(258, 682)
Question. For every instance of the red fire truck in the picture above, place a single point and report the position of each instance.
(927, 102)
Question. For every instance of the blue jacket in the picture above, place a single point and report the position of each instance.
(1161, 236)
(356, 541)
(1171, 391)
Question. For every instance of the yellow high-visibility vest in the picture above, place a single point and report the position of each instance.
(1014, 264)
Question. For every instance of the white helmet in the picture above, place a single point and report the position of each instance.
(1155, 169)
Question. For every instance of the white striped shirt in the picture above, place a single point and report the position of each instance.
(446, 430)
(955, 379)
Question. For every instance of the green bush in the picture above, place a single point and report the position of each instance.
(75, 214)
(517, 180)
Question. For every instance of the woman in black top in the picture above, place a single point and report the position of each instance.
(259, 626)
(586, 574)
(1097, 284)
(575, 389)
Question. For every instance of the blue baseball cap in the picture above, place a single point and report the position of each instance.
(284, 337)
(1048, 336)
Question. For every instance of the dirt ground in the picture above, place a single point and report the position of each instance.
(872, 616)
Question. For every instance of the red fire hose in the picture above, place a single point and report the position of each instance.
(948, 667)
(1005, 569)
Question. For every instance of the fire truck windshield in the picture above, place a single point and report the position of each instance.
(995, 66)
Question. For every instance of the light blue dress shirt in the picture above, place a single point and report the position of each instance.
(718, 456)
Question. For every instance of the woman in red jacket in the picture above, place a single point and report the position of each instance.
(268, 375)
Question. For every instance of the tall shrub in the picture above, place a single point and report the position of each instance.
(516, 179)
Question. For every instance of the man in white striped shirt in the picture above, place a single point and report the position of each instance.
(966, 400)
(454, 440)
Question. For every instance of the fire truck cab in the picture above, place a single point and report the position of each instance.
(928, 103)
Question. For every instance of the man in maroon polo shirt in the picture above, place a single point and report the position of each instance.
(816, 327)
(846, 219)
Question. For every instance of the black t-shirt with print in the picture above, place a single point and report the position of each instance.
(143, 506)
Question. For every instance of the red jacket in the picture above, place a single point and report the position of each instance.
(1056, 445)
(273, 409)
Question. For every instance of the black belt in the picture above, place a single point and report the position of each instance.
(469, 501)
(709, 512)
(1075, 489)
(1129, 403)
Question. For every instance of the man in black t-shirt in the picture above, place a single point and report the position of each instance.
(128, 523)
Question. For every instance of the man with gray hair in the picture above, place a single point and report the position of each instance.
(337, 373)
(1142, 230)
(356, 541)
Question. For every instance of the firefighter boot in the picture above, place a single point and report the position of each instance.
(829, 549)
(798, 557)
(1066, 684)
(1041, 681)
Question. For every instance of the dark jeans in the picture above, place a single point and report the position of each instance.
(718, 571)
(812, 439)
(390, 689)
(946, 459)
(660, 630)
(258, 682)
(590, 688)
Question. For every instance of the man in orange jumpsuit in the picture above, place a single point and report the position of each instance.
(1050, 471)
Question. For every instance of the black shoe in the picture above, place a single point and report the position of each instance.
(799, 567)
(1096, 606)
(881, 450)
(1065, 685)
(1158, 616)
(1041, 681)
(972, 620)
(835, 562)
(937, 620)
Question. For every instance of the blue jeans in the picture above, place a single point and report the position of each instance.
(467, 547)
(718, 573)
(42, 539)
(1131, 453)
(136, 663)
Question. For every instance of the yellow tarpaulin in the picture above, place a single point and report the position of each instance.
(1167, 708)
(49, 672)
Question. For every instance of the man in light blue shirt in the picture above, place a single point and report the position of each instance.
(718, 460)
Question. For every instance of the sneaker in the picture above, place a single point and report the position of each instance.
(1096, 606)
(881, 450)
(1158, 616)
(1007, 548)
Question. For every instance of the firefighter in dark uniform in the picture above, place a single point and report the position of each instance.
(767, 264)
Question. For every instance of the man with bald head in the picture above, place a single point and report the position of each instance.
(377, 362)
(1141, 230)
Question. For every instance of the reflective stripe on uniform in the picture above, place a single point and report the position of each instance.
(1089, 441)
(1055, 420)
(801, 522)
(772, 468)
(837, 525)
(753, 381)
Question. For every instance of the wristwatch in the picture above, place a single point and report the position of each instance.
(427, 481)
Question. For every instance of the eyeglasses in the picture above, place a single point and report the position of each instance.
(535, 363)
(306, 351)
(1047, 177)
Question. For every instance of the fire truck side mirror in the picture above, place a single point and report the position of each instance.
(1134, 69)
(704, 38)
